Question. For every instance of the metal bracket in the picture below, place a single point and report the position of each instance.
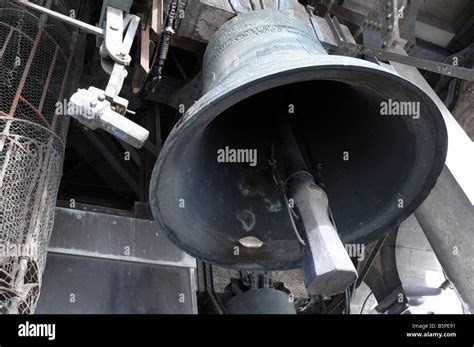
(92, 109)
(123, 5)
(117, 46)
(380, 27)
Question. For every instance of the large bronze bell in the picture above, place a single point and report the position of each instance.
(374, 141)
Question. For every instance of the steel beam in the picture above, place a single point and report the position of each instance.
(447, 219)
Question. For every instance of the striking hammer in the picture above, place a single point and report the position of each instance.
(328, 269)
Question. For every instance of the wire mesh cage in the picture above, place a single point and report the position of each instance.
(38, 69)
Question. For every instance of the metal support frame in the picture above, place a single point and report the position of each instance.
(447, 219)
(380, 26)
(407, 24)
(344, 47)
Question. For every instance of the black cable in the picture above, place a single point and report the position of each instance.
(365, 302)
(160, 53)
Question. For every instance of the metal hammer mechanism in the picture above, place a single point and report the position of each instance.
(328, 269)
(105, 109)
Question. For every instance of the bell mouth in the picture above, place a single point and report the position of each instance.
(376, 168)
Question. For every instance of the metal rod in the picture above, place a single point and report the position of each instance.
(77, 23)
(54, 123)
(26, 71)
(25, 37)
(48, 80)
(424, 64)
(157, 16)
(35, 110)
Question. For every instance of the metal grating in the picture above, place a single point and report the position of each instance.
(38, 67)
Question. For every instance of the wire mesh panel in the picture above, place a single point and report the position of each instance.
(38, 68)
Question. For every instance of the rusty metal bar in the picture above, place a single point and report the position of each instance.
(26, 70)
(35, 110)
(41, 184)
(48, 79)
(145, 50)
(157, 13)
(63, 85)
